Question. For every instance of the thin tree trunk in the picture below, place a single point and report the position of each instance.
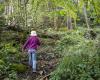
(55, 23)
(69, 23)
(75, 23)
(19, 11)
(85, 15)
(5, 12)
(25, 15)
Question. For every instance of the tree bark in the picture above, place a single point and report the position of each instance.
(55, 23)
(25, 9)
(86, 17)
(69, 23)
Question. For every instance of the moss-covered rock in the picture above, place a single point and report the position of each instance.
(18, 67)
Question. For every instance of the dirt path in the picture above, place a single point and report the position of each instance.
(47, 61)
(45, 66)
(46, 56)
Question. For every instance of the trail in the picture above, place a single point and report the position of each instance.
(44, 68)
(46, 62)
(47, 59)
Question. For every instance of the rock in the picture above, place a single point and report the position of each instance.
(41, 72)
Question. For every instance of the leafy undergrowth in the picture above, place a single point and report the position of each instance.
(14, 62)
(79, 56)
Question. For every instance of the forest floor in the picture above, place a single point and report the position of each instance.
(46, 63)
(47, 55)
(47, 59)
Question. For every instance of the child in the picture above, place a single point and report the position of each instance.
(31, 45)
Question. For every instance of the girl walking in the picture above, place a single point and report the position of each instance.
(32, 45)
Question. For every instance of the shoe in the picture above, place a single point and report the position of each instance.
(34, 71)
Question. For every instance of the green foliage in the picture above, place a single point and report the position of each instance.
(78, 67)
(18, 67)
(80, 59)
(1, 8)
(12, 75)
(10, 61)
(70, 39)
(80, 55)
(2, 62)
(2, 21)
(41, 13)
(10, 49)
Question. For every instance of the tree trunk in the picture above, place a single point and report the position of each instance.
(25, 15)
(55, 23)
(85, 15)
(75, 23)
(69, 23)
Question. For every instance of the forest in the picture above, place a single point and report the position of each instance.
(69, 34)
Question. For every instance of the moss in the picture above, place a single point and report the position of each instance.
(18, 67)
(63, 29)
(19, 55)
(2, 62)
(10, 49)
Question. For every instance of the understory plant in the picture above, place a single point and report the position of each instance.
(80, 58)
(10, 61)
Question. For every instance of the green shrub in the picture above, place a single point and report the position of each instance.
(10, 56)
(2, 21)
(18, 67)
(68, 40)
(2, 62)
(10, 49)
(76, 67)
(12, 76)
(80, 60)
